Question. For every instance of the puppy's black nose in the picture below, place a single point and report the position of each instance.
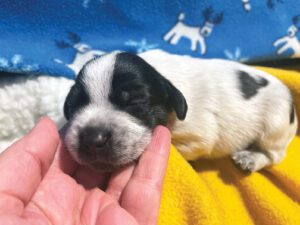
(94, 139)
(100, 139)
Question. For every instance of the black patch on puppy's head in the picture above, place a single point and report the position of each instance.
(77, 97)
(141, 91)
(249, 86)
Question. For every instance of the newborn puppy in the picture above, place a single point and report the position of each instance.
(213, 107)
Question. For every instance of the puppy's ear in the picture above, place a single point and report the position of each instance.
(76, 99)
(176, 99)
(162, 87)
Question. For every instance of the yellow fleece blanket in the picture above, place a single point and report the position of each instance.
(217, 192)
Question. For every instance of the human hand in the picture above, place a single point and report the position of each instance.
(40, 184)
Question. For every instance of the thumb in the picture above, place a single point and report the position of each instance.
(23, 165)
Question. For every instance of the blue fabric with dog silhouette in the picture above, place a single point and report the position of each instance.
(57, 37)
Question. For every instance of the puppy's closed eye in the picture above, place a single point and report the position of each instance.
(130, 94)
(127, 99)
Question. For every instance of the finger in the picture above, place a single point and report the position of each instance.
(90, 178)
(100, 208)
(118, 181)
(23, 165)
(141, 196)
(63, 161)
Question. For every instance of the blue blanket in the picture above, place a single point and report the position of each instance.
(58, 37)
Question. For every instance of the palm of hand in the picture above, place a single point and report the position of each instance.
(61, 198)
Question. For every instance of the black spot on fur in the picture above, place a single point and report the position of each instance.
(292, 114)
(249, 85)
(77, 98)
(141, 91)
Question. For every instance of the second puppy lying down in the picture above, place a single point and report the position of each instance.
(214, 108)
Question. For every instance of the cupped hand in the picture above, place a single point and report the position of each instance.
(41, 184)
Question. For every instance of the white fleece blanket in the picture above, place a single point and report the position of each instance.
(24, 99)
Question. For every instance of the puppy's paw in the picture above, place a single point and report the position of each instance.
(247, 160)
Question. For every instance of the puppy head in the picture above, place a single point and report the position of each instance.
(112, 108)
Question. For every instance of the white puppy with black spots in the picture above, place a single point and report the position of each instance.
(214, 108)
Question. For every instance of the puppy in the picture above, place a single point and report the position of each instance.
(213, 107)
